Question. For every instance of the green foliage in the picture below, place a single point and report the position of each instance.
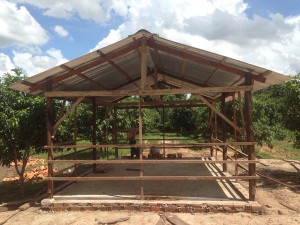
(22, 120)
(22, 123)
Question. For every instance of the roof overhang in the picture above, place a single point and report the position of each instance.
(117, 69)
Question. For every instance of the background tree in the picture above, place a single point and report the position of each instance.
(22, 124)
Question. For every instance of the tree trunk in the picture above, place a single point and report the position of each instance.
(21, 171)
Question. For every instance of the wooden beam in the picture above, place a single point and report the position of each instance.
(150, 145)
(146, 92)
(144, 178)
(220, 114)
(49, 122)
(87, 66)
(194, 58)
(115, 131)
(94, 132)
(214, 72)
(151, 161)
(250, 135)
(27, 83)
(224, 130)
(67, 113)
(241, 112)
(182, 70)
(143, 64)
(118, 68)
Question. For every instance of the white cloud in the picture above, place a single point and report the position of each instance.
(218, 26)
(5, 64)
(34, 64)
(61, 31)
(100, 11)
(214, 25)
(18, 27)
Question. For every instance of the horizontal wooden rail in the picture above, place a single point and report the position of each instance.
(151, 145)
(147, 92)
(133, 178)
(150, 161)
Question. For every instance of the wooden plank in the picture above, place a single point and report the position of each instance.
(150, 145)
(150, 161)
(133, 178)
(72, 108)
(146, 92)
(220, 114)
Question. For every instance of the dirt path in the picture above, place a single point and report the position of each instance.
(34, 216)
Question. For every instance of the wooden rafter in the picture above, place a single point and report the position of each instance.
(220, 114)
(143, 64)
(85, 67)
(157, 57)
(182, 71)
(83, 76)
(118, 68)
(194, 58)
(27, 83)
(214, 72)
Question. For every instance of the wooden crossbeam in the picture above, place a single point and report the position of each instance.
(71, 109)
(152, 145)
(87, 66)
(150, 161)
(197, 59)
(220, 114)
(136, 178)
(146, 92)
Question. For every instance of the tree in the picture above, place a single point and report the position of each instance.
(22, 124)
(292, 107)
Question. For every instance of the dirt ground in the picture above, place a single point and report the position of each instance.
(281, 205)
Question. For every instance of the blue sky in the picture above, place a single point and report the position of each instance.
(39, 34)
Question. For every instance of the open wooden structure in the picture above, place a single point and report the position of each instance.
(133, 66)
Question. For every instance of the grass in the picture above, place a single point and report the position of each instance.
(10, 191)
(282, 149)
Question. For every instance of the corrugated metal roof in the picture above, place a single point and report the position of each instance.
(117, 67)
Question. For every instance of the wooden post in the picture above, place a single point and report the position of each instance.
(164, 131)
(94, 134)
(250, 135)
(223, 126)
(116, 132)
(49, 121)
(75, 139)
(210, 126)
(216, 132)
(143, 84)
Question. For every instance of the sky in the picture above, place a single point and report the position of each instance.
(36, 35)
